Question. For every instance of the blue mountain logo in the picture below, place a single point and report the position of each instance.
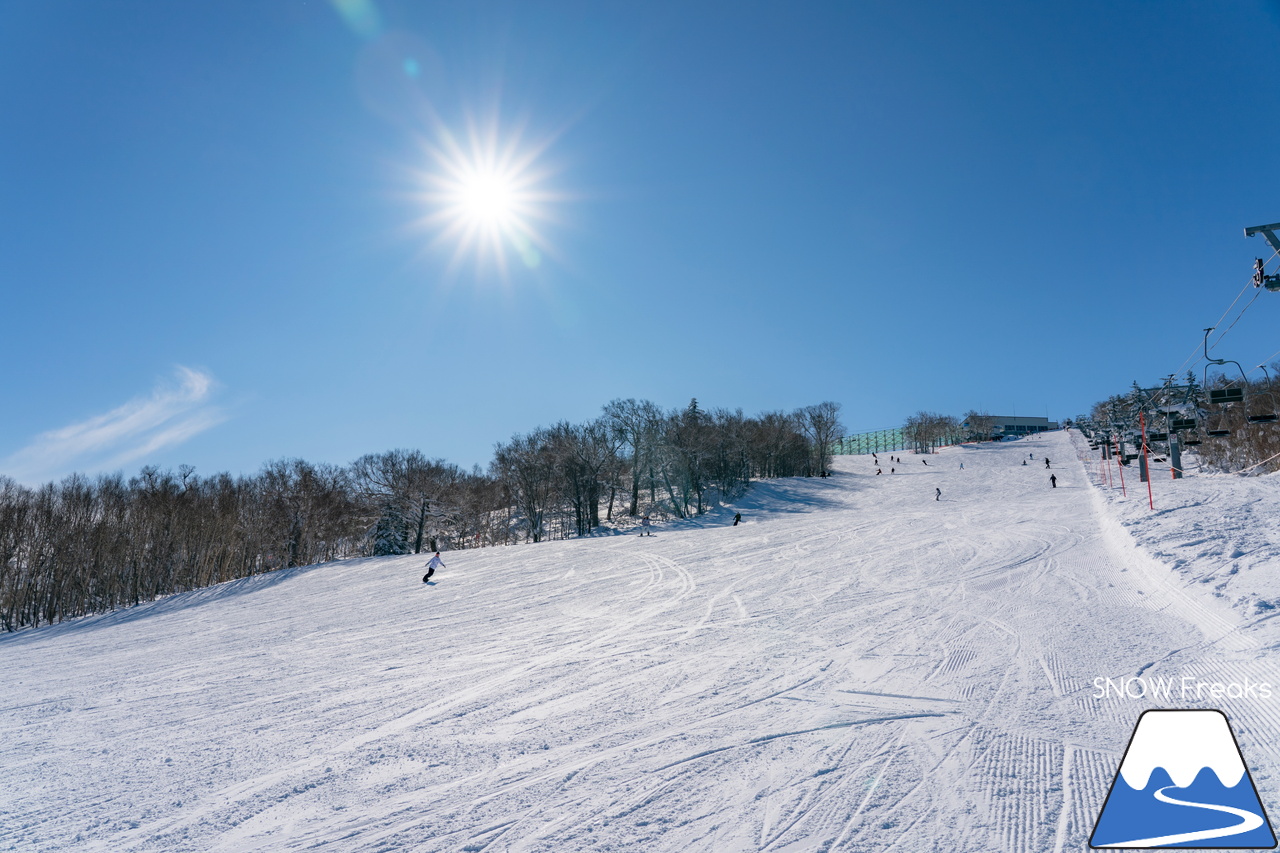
(1183, 783)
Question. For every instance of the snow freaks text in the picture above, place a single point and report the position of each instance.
(1186, 688)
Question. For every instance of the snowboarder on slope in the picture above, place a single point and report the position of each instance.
(644, 526)
(433, 564)
(737, 516)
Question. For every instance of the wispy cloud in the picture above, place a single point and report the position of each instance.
(172, 414)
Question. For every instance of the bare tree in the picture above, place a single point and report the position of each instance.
(927, 430)
(526, 466)
(980, 424)
(820, 424)
(635, 423)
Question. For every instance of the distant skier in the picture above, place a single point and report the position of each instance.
(1024, 462)
(737, 516)
(925, 461)
(644, 526)
(961, 466)
(433, 564)
(878, 472)
(891, 470)
(938, 497)
(1053, 480)
(1046, 462)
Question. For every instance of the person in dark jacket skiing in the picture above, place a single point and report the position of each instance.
(433, 564)
(1046, 462)
(737, 516)
(938, 497)
(1053, 480)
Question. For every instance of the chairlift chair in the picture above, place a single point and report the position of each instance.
(1264, 417)
(1221, 396)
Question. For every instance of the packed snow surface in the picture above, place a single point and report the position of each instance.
(857, 666)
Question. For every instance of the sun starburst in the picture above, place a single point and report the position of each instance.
(486, 197)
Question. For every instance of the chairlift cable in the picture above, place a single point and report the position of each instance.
(1236, 320)
(1266, 360)
(1191, 359)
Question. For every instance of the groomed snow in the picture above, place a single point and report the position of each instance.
(856, 667)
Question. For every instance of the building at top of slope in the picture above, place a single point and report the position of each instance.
(1009, 425)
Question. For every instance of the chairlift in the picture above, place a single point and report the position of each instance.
(1264, 417)
(1221, 396)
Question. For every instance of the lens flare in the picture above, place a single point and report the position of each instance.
(487, 197)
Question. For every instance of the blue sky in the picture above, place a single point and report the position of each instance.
(221, 237)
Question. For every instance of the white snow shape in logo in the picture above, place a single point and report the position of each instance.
(1183, 743)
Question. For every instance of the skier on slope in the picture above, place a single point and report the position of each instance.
(644, 526)
(1046, 462)
(1053, 480)
(939, 495)
(433, 564)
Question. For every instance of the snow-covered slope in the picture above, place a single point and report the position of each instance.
(858, 666)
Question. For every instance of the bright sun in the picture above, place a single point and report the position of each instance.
(486, 199)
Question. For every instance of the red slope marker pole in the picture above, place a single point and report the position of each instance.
(1120, 468)
(1142, 422)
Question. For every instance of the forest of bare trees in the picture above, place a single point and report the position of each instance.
(92, 544)
(928, 430)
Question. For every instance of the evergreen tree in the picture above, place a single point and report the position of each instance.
(390, 535)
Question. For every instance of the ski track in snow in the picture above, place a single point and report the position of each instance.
(857, 667)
